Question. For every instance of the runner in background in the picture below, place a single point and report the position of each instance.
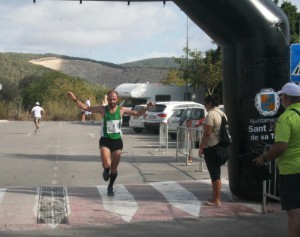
(87, 114)
(37, 115)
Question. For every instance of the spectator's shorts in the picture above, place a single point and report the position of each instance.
(36, 119)
(111, 144)
(289, 191)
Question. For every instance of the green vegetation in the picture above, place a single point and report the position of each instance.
(154, 63)
(25, 83)
(293, 15)
(200, 70)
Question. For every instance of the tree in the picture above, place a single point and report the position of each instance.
(9, 91)
(202, 69)
(291, 12)
(174, 76)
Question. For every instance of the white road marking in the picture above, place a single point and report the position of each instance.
(122, 204)
(179, 197)
(225, 187)
(2, 192)
(91, 134)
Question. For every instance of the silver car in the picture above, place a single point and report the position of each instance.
(137, 122)
(161, 112)
(173, 122)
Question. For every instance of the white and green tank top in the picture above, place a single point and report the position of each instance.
(111, 126)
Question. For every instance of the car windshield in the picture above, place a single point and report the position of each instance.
(185, 113)
(138, 107)
(184, 116)
(196, 114)
(177, 113)
(157, 108)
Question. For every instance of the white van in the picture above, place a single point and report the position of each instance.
(161, 112)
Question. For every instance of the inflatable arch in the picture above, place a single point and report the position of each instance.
(254, 37)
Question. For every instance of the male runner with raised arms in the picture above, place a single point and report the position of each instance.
(110, 143)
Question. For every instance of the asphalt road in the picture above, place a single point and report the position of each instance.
(66, 155)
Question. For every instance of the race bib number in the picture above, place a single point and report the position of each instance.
(113, 126)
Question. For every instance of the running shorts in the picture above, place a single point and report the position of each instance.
(111, 144)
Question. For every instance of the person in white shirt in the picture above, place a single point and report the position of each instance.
(37, 115)
(87, 113)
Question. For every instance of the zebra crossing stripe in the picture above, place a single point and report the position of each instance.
(122, 204)
(179, 197)
(2, 192)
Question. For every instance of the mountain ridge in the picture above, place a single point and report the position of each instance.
(106, 74)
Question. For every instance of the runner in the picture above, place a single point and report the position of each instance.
(37, 115)
(110, 143)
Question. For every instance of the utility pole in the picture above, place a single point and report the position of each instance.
(187, 57)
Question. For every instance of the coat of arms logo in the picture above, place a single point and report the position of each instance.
(267, 102)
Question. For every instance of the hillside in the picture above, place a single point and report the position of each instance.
(14, 66)
(154, 63)
(102, 74)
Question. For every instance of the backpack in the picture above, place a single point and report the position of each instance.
(225, 138)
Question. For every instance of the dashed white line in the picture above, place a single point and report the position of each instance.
(91, 134)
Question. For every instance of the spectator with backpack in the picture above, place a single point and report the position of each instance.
(211, 144)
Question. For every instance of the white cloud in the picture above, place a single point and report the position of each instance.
(105, 31)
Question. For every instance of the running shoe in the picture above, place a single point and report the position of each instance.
(106, 174)
(110, 191)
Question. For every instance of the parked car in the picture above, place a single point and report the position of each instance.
(173, 122)
(179, 117)
(137, 122)
(197, 115)
(199, 123)
(129, 104)
(192, 113)
(161, 112)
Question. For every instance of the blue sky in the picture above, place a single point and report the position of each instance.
(105, 31)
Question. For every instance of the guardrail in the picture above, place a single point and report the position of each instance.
(270, 186)
(187, 144)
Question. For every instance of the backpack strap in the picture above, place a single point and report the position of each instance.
(296, 111)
